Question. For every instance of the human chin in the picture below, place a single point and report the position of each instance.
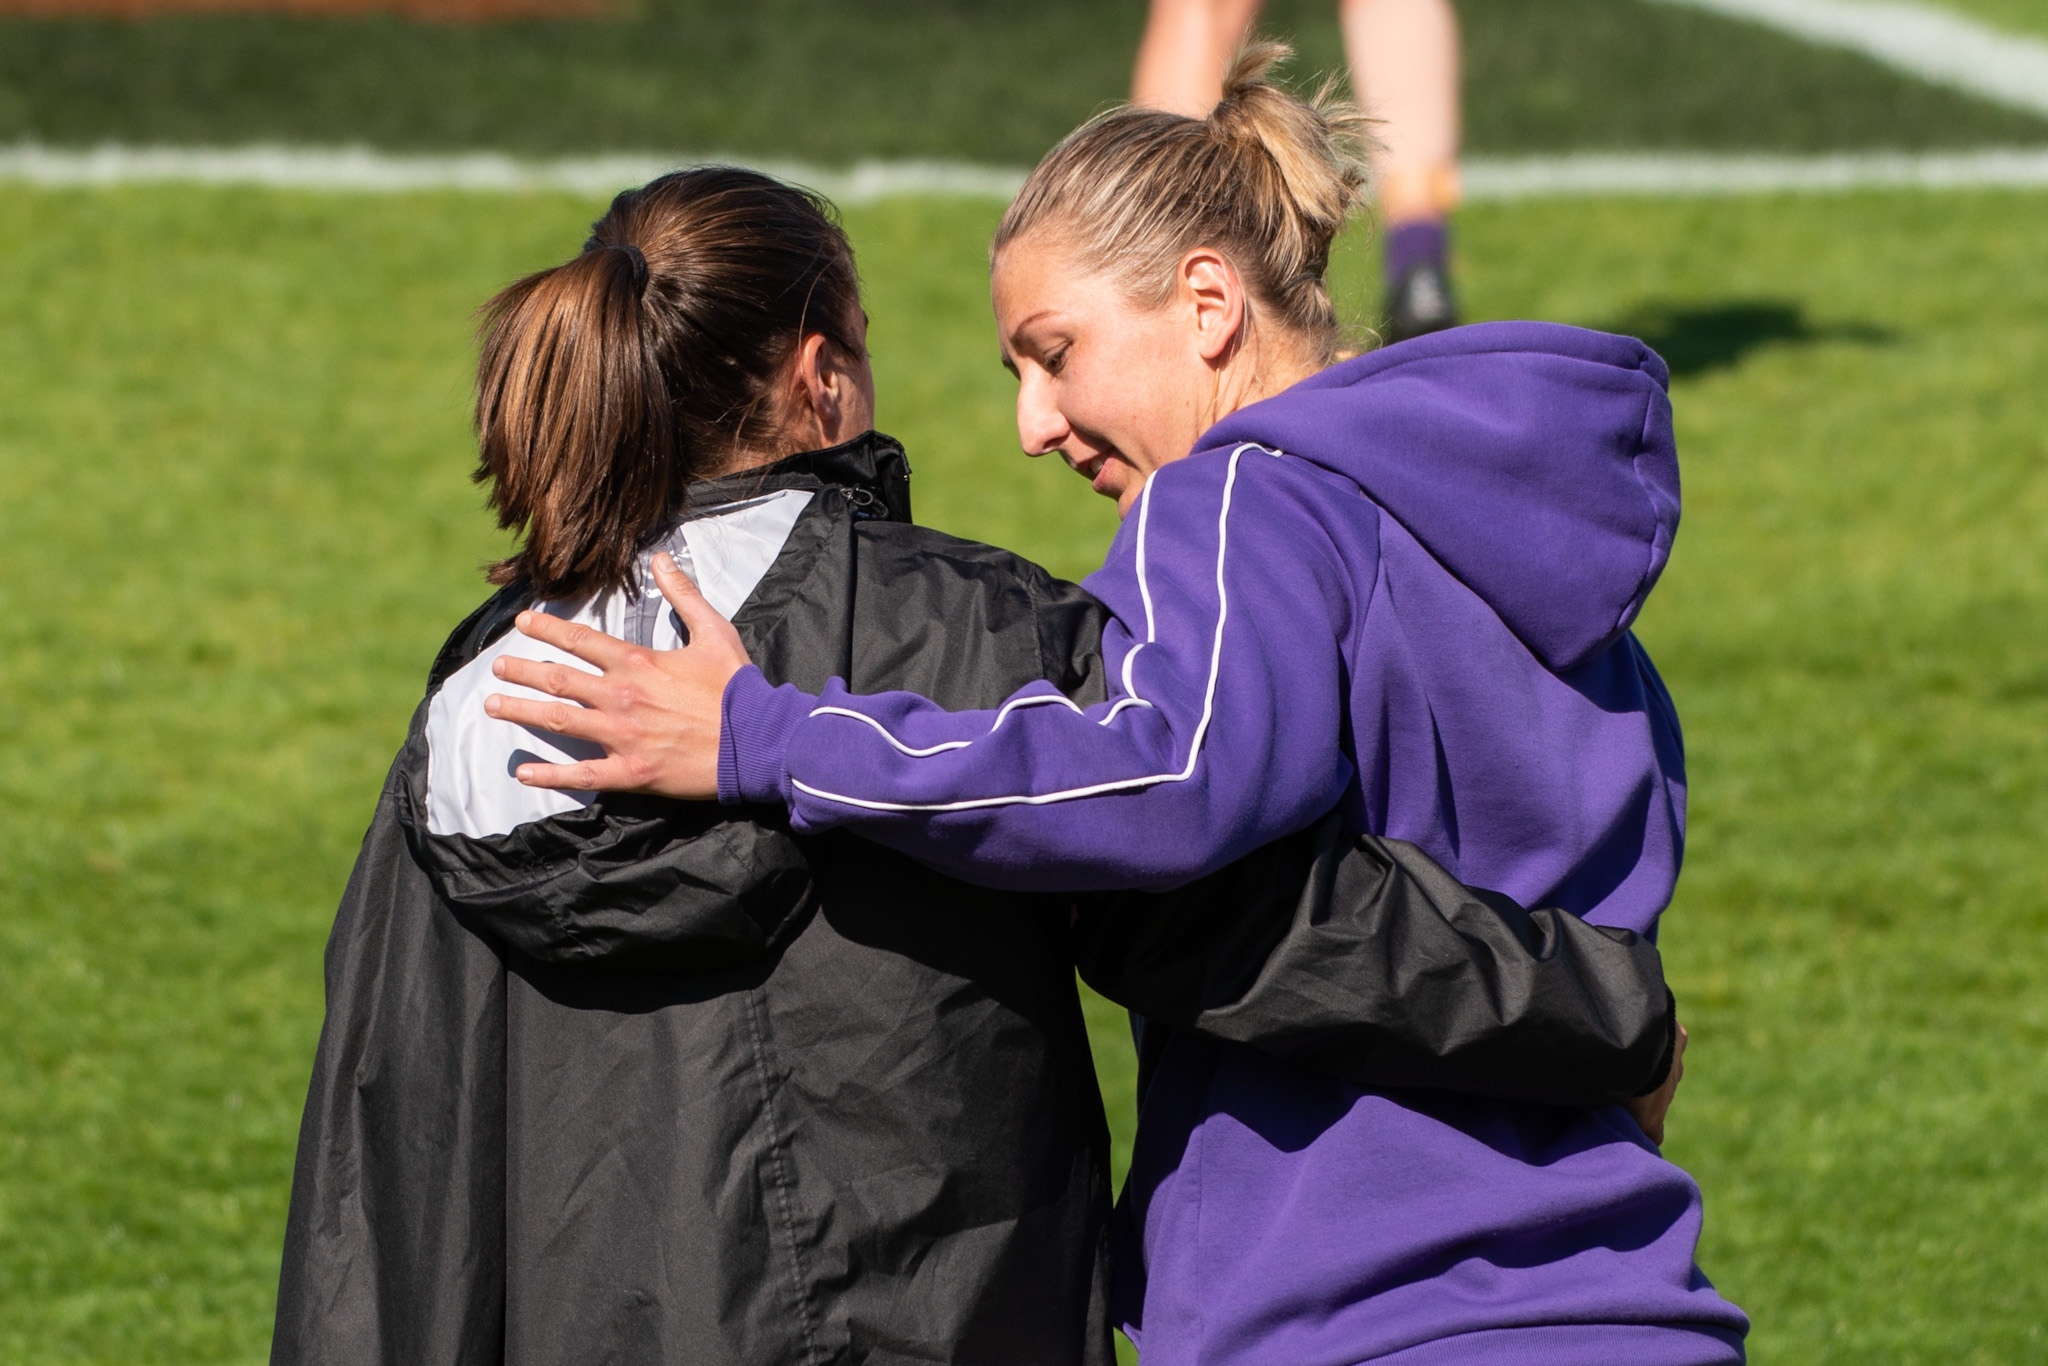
(1121, 482)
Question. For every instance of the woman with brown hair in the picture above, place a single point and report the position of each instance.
(629, 1080)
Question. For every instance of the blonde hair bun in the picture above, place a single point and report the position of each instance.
(1268, 178)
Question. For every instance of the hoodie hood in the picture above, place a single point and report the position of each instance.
(1534, 461)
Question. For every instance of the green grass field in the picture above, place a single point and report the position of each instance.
(2014, 16)
(984, 80)
(236, 522)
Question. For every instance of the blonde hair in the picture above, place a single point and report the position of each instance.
(1268, 179)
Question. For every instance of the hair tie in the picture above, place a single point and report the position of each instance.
(639, 261)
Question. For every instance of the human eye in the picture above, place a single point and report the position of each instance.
(1057, 361)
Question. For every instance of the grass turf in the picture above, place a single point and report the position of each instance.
(2014, 16)
(234, 503)
(973, 79)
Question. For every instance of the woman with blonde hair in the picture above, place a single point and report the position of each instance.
(1401, 584)
(619, 1080)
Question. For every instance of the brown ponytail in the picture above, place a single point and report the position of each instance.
(606, 384)
(1268, 179)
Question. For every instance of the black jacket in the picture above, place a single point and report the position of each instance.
(654, 1082)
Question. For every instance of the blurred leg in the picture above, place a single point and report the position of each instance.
(1186, 46)
(1404, 67)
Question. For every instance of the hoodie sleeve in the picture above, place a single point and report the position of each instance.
(1231, 592)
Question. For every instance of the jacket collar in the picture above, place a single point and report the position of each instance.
(871, 470)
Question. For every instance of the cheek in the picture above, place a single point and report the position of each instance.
(1147, 396)
(1104, 402)
(1086, 402)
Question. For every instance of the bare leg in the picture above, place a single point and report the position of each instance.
(1186, 47)
(1404, 67)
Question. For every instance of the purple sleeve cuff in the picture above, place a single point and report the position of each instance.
(756, 722)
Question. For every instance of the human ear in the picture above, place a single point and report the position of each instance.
(819, 384)
(1215, 298)
(838, 387)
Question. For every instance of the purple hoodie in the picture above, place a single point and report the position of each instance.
(1403, 586)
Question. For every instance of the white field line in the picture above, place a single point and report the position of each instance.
(1934, 44)
(1682, 175)
(362, 171)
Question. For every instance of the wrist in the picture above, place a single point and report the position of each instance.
(756, 723)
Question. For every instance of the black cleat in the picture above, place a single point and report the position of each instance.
(1420, 302)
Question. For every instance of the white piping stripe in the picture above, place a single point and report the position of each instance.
(358, 170)
(913, 753)
(1144, 583)
(1131, 658)
(1936, 45)
(1033, 701)
(1097, 789)
(1144, 592)
(1119, 705)
(1045, 799)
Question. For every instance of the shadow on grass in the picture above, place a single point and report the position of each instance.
(1699, 339)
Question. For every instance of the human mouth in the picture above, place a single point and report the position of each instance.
(1099, 471)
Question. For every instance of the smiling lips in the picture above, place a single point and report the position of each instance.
(1092, 470)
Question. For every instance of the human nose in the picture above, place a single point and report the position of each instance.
(1041, 428)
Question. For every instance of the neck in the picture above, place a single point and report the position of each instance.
(740, 461)
(1254, 372)
(786, 439)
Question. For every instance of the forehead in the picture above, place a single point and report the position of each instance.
(1032, 281)
(1022, 267)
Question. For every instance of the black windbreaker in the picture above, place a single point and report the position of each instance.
(659, 1082)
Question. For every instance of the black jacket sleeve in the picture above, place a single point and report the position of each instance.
(1361, 957)
(1364, 959)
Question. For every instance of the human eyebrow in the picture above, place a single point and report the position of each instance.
(1019, 341)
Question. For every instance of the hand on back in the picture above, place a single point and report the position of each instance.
(656, 712)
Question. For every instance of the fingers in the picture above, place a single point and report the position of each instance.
(551, 677)
(592, 775)
(558, 718)
(682, 593)
(590, 646)
(679, 588)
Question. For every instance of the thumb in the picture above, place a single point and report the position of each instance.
(689, 601)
